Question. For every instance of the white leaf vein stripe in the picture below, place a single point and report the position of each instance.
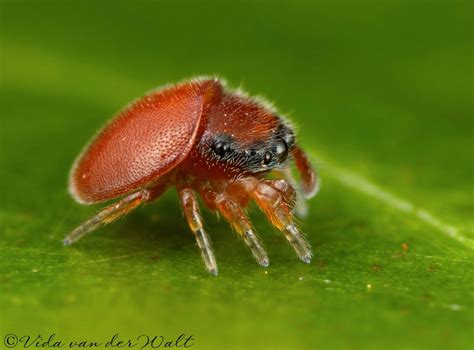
(363, 185)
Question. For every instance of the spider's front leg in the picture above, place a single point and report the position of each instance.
(234, 213)
(300, 207)
(231, 208)
(276, 198)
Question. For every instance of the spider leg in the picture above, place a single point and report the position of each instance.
(235, 215)
(112, 213)
(191, 211)
(284, 187)
(230, 203)
(276, 199)
(301, 207)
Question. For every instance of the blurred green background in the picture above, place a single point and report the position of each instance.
(382, 94)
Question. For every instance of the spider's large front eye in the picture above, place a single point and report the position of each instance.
(267, 158)
(281, 151)
(221, 148)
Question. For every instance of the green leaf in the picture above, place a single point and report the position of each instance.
(381, 93)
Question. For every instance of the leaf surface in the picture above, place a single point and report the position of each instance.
(382, 97)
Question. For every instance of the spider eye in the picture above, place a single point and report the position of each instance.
(289, 138)
(286, 134)
(281, 151)
(221, 148)
(267, 158)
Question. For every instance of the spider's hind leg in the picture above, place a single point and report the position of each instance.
(112, 213)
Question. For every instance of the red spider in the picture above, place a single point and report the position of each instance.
(203, 139)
